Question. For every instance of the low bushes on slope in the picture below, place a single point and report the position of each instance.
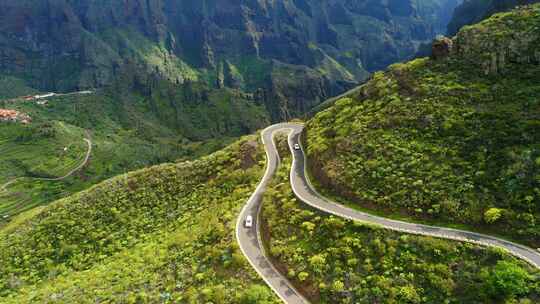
(163, 234)
(455, 140)
(333, 260)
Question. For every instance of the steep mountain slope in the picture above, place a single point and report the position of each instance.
(473, 11)
(449, 141)
(162, 234)
(327, 45)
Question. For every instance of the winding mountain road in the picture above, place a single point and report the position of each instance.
(250, 240)
(251, 243)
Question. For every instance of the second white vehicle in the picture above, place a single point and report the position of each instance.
(249, 221)
(296, 146)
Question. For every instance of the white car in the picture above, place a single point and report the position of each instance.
(296, 146)
(248, 223)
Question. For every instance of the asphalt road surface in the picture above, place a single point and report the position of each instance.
(250, 241)
(249, 238)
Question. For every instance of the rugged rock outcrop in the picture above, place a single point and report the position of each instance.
(441, 47)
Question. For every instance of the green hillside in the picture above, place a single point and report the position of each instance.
(453, 141)
(163, 235)
(128, 131)
(332, 260)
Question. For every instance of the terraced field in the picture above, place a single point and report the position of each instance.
(28, 153)
(25, 194)
(39, 151)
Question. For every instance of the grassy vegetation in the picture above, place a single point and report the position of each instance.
(154, 56)
(36, 151)
(333, 260)
(163, 235)
(128, 131)
(454, 141)
(254, 70)
(22, 150)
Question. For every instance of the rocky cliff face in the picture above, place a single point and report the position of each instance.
(245, 44)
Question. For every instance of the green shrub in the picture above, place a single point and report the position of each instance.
(507, 280)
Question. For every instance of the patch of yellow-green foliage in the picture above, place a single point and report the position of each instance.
(165, 234)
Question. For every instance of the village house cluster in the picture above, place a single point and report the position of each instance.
(14, 116)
